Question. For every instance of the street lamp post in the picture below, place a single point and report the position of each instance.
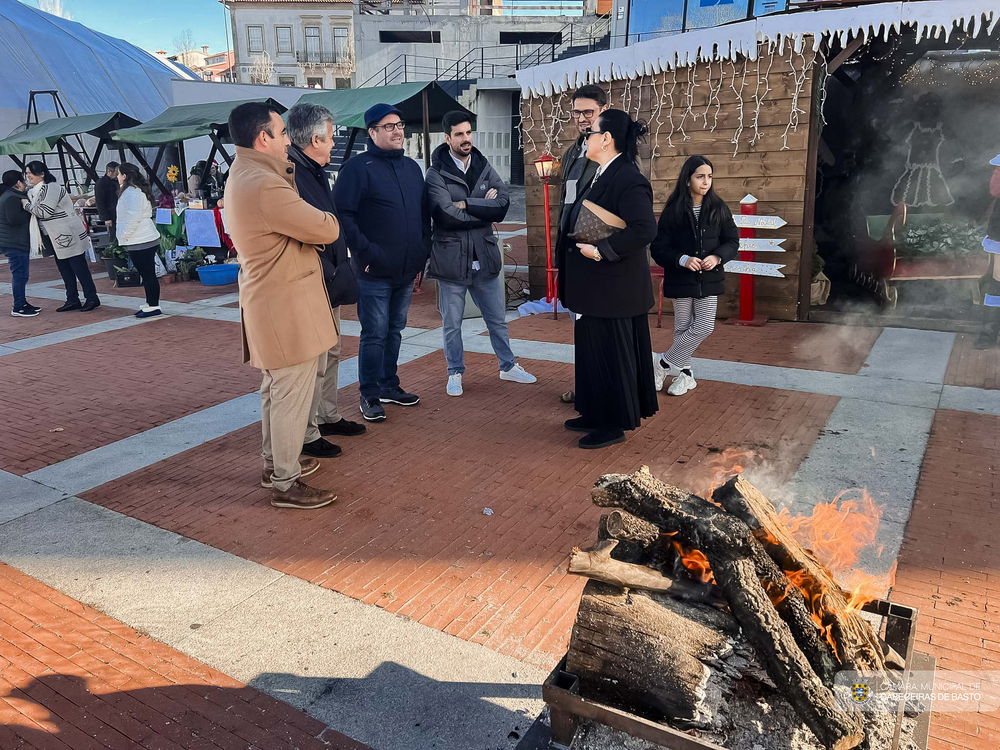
(545, 165)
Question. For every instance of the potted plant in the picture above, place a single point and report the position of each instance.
(193, 258)
(114, 255)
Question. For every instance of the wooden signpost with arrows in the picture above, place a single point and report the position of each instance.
(749, 222)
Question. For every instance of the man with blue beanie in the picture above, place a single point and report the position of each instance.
(383, 212)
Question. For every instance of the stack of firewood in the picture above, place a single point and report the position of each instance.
(691, 597)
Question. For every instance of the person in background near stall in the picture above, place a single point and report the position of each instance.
(194, 179)
(696, 236)
(285, 314)
(577, 169)
(380, 195)
(137, 233)
(465, 195)
(609, 287)
(65, 232)
(310, 130)
(106, 197)
(991, 287)
(15, 239)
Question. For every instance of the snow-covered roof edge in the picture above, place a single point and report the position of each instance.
(931, 17)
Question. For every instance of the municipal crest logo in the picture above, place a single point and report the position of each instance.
(860, 692)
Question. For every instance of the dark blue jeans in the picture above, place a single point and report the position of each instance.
(382, 309)
(18, 262)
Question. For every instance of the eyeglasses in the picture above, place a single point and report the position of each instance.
(586, 113)
(589, 132)
(390, 126)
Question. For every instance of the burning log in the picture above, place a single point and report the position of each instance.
(597, 563)
(769, 609)
(664, 657)
(858, 647)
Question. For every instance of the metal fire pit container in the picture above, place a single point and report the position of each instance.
(895, 623)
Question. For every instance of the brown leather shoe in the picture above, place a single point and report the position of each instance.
(307, 464)
(302, 497)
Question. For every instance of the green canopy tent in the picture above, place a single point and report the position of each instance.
(54, 134)
(424, 102)
(178, 124)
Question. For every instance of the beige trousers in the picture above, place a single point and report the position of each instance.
(324, 404)
(286, 397)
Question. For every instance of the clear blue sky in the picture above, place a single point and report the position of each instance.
(151, 24)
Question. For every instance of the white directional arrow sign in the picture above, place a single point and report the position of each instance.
(754, 268)
(761, 246)
(759, 222)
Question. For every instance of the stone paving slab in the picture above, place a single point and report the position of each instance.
(408, 533)
(72, 678)
(807, 346)
(49, 321)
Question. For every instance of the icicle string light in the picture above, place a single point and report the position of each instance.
(739, 102)
(692, 84)
(759, 97)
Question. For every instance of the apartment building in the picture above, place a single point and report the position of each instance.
(293, 42)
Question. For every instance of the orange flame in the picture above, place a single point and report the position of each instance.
(695, 562)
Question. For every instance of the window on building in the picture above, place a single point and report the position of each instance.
(506, 161)
(312, 43)
(340, 44)
(489, 140)
(255, 39)
(506, 140)
(286, 80)
(343, 83)
(314, 83)
(284, 35)
(410, 37)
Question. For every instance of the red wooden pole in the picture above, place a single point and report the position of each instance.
(550, 286)
(748, 207)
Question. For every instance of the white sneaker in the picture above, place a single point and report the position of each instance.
(660, 372)
(682, 384)
(518, 374)
(455, 384)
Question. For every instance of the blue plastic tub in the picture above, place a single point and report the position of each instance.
(219, 274)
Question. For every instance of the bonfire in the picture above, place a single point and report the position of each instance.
(723, 618)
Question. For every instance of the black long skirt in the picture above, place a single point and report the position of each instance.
(614, 371)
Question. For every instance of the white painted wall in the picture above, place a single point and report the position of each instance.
(298, 16)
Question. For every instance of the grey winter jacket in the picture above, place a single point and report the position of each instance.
(14, 222)
(460, 234)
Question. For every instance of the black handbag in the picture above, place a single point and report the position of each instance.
(341, 284)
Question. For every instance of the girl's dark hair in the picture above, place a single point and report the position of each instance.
(135, 178)
(10, 179)
(625, 132)
(39, 169)
(679, 203)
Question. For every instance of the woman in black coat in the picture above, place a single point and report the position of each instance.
(609, 287)
(696, 236)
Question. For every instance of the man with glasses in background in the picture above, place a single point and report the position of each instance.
(577, 170)
(383, 211)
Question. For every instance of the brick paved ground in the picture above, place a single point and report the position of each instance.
(13, 329)
(808, 346)
(73, 679)
(44, 269)
(423, 308)
(408, 532)
(107, 387)
(949, 566)
(973, 367)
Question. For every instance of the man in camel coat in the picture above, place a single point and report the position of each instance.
(285, 313)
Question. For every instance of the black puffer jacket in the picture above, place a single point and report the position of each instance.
(676, 239)
(14, 221)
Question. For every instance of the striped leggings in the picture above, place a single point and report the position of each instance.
(694, 321)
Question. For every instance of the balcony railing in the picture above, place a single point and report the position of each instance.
(478, 7)
(341, 57)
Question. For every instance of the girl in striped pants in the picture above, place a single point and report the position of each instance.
(696, 236)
